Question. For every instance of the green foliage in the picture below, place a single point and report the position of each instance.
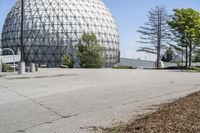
(197, 56)
(67, 60)
(193, 69)
(7, 68)
(185, 24)
(185, 68)
(169, 53)
(170, 50)
(123, 67)
(90, 52)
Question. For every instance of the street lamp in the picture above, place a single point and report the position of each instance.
(22, 63)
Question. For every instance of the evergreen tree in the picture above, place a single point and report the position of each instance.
(155, 31)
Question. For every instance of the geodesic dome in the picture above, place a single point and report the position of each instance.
(53, 27)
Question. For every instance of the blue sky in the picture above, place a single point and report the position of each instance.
(129, 15)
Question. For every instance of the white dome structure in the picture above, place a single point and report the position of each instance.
(52, 28)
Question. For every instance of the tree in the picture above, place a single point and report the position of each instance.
(197, 56)
(186, 29)
(155, 31)
(169, 53)
(90, 52)
(178, 47)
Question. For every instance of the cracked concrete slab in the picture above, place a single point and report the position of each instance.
(21, 115)
(100, 97)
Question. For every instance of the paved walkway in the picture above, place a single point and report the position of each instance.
(63, 101)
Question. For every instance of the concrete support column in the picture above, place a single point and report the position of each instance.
(21, 68)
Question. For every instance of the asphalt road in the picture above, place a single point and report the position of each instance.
(64, 101)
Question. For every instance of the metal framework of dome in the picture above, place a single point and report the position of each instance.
(53, 27)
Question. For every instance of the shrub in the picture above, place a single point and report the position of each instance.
(193, 68)
(197, 56)
(67, 60)
(189, 68)
(7, 68)
(123, 67)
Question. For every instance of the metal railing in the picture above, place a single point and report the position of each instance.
(1, 50)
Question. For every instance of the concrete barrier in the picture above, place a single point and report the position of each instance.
(22, 69)
(32, 67)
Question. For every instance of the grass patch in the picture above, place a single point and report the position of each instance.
(193, 69)
(183, 68)
(123, 67)
(1, 76)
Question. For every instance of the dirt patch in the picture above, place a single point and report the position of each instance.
(180, 116)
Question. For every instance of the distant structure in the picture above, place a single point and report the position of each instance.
(175, 55)
(52, 28)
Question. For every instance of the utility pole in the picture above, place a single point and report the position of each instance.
(22, 63)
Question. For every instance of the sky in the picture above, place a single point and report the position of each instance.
(129, 15)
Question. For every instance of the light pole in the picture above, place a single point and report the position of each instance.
(22, 30)
(22, 63)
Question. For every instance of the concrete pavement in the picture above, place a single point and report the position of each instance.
(64, 100)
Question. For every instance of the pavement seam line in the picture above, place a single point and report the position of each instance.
(74, 115)
(44, 123)
(91, 111)
(37, 125)
(30, 99)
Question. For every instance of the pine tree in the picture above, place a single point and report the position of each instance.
(155, 32)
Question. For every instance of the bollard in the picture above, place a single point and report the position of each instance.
(28, 69)
(32, 67)
(36, 67)
(21, 68)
